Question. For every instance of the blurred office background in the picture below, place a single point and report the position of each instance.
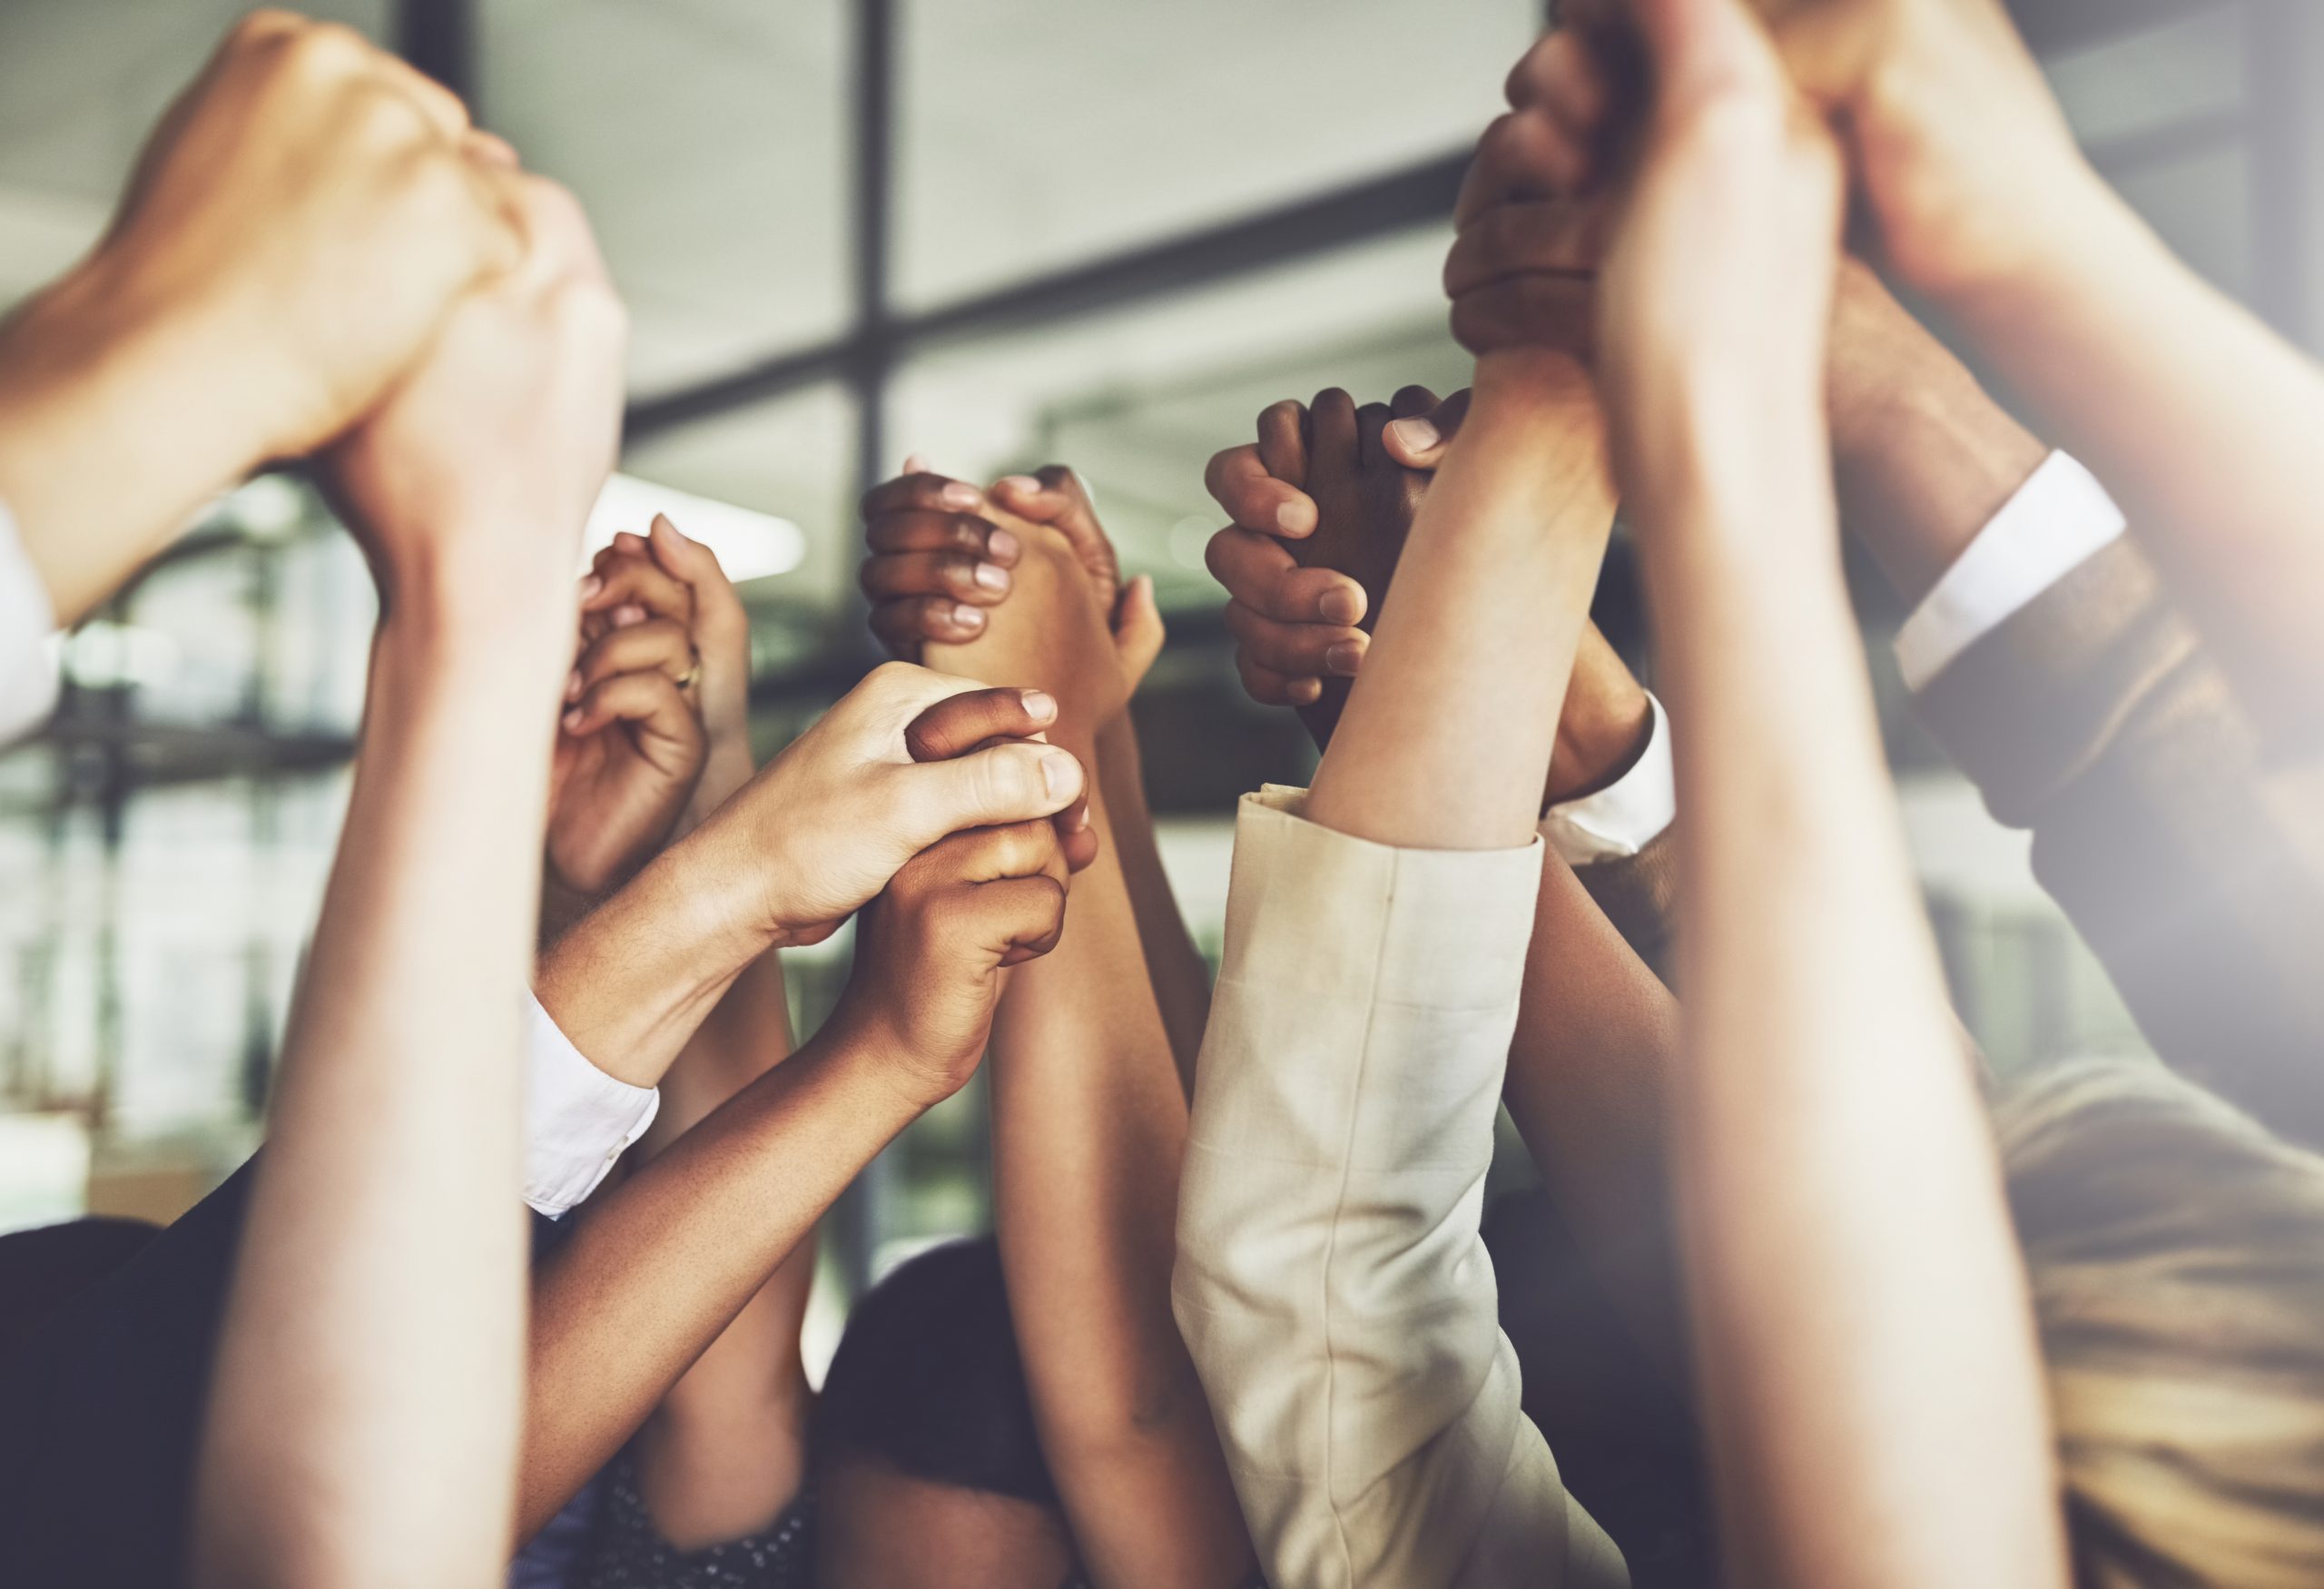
(997, 232)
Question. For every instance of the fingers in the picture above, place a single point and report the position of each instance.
(989, 855)
(924, 491)
(1139, 630)
(905, 625)
(1551, 235)
(959, 723)
(1013, 781)
(920, 529)
(1283, 440)
(1297, 650)
(1270, 688)
(957, 574)
(1419, 440)
(650, 702)
(1239, 480)
(1259, 573)
(1531, 311)
(660, 646)
(1371, 420)
(629, 576)
(694, 565)
(1023, 917)
(1332, 448)
(1525, 154)
(1054, 495)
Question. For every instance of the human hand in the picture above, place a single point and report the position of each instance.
(630, 748)
(666, 575)
(943, 553)
(1716, 291)
(307, 212)
(931, 950)
(468, 488)
(903, 761)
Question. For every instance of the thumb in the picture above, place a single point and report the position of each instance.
(1055, 496)
(1419, 441)
(1012, 782)
(1137, 628)
(1697, 49)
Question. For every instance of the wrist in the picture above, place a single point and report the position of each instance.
(1601, 736)
(633, 978)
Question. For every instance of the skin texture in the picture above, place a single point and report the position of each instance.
(1864, 1341)
(877, 1525)
(912, 609)
(1089, 1109)
(363, 1418)
(810, 838)
(724, 1453)
(297, 230)
(661, 1265)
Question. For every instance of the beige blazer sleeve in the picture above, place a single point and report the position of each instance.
(1331, 1282)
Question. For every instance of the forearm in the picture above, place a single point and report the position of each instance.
(662, 1264)
(115, 427)
(1446, 740)
(1593, 1072)
(1864, 1339)
(1088, 1129)
(2198, 419)
(382, 1230)
(726, 1449)
(632, 983)
(1923, 456)
(1173, 966)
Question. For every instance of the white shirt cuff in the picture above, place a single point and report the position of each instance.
(1627, 814)
(28, 663)
(578, 1120)
(2056, 521)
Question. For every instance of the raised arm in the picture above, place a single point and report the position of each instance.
(1331, 1280)
(661, 1265)
(299, 227)
(940, 562)
(1864, 1337)
(2200, 420)
(364, 1415)
(1089, 1119)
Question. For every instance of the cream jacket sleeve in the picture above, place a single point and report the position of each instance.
(1331, 1281)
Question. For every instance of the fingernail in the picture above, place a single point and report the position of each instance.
(967, 616)
(1002, 543)
(1340, 606)
(993, 575)
(915, 463)
(572, 720)
(572, 686)
(1060, 775)
(961, 494)
(1040, 705)
(628, 612)
(1344, 658)
(1020, 483)
(1304, 691)
(1418, 435)
(1291, 518)
(662, 521)
(1079, 819)
(590, 585)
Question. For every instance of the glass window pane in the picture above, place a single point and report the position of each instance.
(1040, 132)
(1138, 400)
(793, 457)
(707, 140)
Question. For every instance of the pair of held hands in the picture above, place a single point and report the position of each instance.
(930, 804)
(323, 258)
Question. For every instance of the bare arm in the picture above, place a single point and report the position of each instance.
(1173, 966)
(364, 1414)
(1089, 1119)
(1864, 1337)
